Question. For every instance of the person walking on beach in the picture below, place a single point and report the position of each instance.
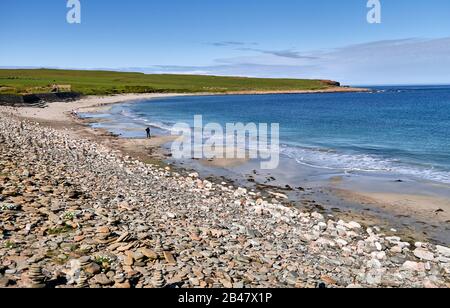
(148, 132)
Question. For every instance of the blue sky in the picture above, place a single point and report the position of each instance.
(263, 38)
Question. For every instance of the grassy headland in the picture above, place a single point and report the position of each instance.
(32, 81)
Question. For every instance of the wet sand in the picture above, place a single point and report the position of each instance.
(420, 206)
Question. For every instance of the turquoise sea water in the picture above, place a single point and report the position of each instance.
(402, 131)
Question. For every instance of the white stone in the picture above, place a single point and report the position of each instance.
(240, 192)
(378, 246)
(278, 195)
(396, 249)
(322, 226)
(381, 255)
(413, 266)
(341, 242)
(424, 254)
(354, 286)
(374, 277)
(353, 225)
(443, 259)
(341, 223)
(446, 268)
(325, 242)
(171, 215)
(393, 240)
(317, 216)
(445, 251)
(207, 184)
(374, 264)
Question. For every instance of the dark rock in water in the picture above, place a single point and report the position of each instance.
(399, 181)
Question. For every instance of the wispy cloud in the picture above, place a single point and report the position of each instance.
(245, 46)
(288, 53)
(231, 44)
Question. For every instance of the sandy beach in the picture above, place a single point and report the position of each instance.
(61, 112)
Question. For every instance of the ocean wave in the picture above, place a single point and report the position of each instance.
(142, 119)
(358, 162)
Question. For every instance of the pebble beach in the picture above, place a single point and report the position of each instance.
(76, 214)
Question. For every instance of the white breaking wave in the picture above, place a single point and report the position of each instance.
(328, 159)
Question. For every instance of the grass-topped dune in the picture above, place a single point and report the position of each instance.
(33, 81)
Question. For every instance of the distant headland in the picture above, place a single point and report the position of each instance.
(33, 84)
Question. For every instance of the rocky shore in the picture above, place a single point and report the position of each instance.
(75, 213)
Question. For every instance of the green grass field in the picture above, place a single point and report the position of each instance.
(106, 82)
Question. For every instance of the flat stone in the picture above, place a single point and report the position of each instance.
(148, 253)
(78, 238)
(226, 283)
(103, 280)
(328, 280)
(414, 266)
(353, 225)
(123, 285)
(374, 264)
(169, 258)
(128, 260)
(424, 254)
(341, 242)
(103, 230)
(396, 249)
(93, 268)
(171, 215)
(445, 251)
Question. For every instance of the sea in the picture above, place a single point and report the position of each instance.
(401, 131)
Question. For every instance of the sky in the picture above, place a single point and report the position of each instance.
(326, 39)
